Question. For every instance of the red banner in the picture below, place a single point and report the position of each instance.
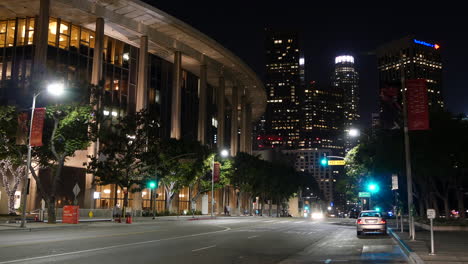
(417, 102)
(216, 171)
(37, 127)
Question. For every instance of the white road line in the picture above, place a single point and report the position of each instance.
(110, 247)
(327, 261)
(299, 222)
(250, 237)
(203, 248)
(269, 221)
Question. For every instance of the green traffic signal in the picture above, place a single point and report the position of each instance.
(324, 162)
(306, 207)
(152, 184)
(373, 187)
(377, 209)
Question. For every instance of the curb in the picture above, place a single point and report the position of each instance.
(412, 256)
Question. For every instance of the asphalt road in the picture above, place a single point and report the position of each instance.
(223, 240)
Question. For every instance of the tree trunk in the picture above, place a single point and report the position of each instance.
(269, 208)
(239, 195)
(11, 203)
(434, 204)
(278, 208)
(446, 207)
(125, 204)
(263, 206)
(115, 195)
(461, 203)
(51, 214)
(422, 210)
(250, 204)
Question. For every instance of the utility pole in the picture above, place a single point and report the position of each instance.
(409, 179)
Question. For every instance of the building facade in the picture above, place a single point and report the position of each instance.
(309, 160)
(346, 79)
(142, 58)
(323, 119)
(284, 86)
(420, 60)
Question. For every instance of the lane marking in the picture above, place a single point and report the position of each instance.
(111, 247)
(252, 237)
(328, 261)
(269, 221)
(79, 238)
(299, 222)
(203, 248)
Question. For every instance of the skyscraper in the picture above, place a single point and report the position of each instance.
(346, 79)
(421, 60)
(322, 125)
(284, 85)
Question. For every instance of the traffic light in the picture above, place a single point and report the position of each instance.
(306, 207)
(373, 187)
(377, 209)
(324, 161)
(152, 184)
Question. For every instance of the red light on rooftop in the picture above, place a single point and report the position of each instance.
(436, 46)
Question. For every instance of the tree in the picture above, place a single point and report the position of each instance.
(12, 156)
(18, 174)
(65, 132)
(124, 156)
(202, 182)
(179, 164)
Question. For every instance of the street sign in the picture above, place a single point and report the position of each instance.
(394, 182)
(364, 194)
(76, 189)
(431, 214)
(336, 162)
(216, 171)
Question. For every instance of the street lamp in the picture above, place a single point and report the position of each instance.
(55, 89)
(224, 153)
(353, 132)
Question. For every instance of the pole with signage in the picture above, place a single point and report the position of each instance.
(431, 215)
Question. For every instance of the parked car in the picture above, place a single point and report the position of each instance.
(371, 222)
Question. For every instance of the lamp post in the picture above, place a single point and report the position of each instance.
(224, 153)
(55, 89)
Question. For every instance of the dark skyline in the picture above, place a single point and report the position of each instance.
(329, 31)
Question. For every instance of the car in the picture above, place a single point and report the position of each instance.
(371, 221)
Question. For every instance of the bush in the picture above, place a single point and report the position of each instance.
(443, 221)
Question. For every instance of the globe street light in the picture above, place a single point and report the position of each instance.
(55, 89)
(353, 132)
(224, 154)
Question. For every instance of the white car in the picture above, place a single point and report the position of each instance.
(371, 222)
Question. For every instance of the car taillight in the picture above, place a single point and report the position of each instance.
(383, 221)
(359, 222)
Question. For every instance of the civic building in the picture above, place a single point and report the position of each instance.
(143, 57)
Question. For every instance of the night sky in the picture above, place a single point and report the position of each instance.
(328, 31)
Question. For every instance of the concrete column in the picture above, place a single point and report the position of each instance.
(248, 135)
(96, 77)
(243, 124)
(221, 112)
(176, 96)
(96, 74)
(234, 120)
(202, 103)
(40, 39)
(142, 85)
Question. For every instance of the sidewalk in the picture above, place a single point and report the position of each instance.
(31, 226)
(449, 246)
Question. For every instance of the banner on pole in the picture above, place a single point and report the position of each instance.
(391, 115)
(216, 171)
(37, 127)
(22, 129)
(418, 108)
